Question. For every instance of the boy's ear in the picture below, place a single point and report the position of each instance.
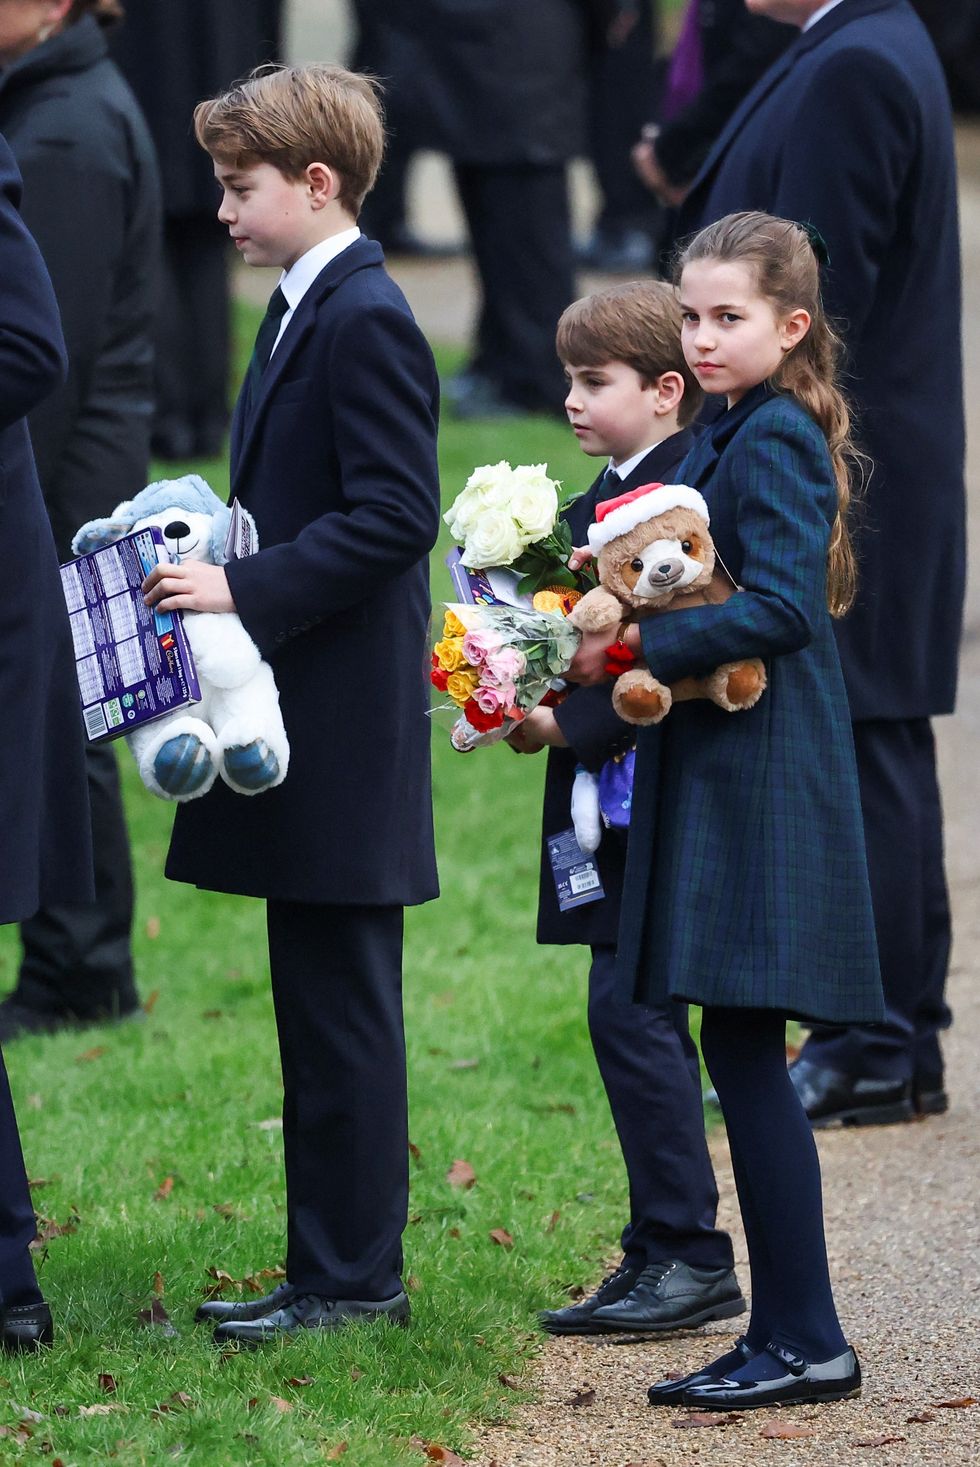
(323, 183)
(670, 387)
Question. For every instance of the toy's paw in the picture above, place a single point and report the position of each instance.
(639, 698)
(251, 767)
(737, 685)
(182, 766)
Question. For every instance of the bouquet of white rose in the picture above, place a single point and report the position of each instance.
(510, 517)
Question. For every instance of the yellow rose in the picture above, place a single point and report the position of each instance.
(452, 626)
(461, 685)
(548, 601)
(449, 654)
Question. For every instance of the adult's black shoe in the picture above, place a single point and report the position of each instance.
(311, 1311)
(672, 1295)
(834, 1099)
(929, 1097)
(25, 1327)
(218, 1311)
(18, 1020)
(799, 1384)
(671, 1392)
(576, 1319)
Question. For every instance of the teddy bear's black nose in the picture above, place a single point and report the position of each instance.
(176, 530)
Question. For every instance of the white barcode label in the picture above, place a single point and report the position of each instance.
(581, 881)
(95, 724)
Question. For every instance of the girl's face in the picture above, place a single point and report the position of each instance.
(731, 336)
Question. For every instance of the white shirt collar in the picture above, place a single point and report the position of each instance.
(628, 465)
(819, 14)
(296, 281)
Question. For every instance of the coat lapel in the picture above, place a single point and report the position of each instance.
(841, 15)
(362, 254)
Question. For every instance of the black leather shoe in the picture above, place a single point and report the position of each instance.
(576, 1318)
(671, 1392)
(800, 1384)
(25, 1327)
(218, 1311)
(310, 1311)
(18, 1020)
(672, 1296)
(831, 1098)
(928, 1096)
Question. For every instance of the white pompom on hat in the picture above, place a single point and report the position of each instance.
(615, 517)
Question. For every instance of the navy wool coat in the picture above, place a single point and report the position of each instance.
(746, 880)
(45, 847)
(851, 130)
(595, 733)
(337, 462)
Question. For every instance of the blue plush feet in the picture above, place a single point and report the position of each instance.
(251, 767)
(182, 766)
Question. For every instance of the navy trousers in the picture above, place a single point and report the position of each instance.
(649, 1067)
(18, 1284)
(903, 826)
(336, 983)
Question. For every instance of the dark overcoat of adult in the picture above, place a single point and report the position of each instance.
(45, 853)
(851, 130)
(338, 601)
(746, 878)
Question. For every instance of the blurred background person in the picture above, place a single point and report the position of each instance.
(955, 29)
(45, 853)
(173, 54)
(91, 199)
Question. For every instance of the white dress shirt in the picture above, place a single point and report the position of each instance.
(819, 14)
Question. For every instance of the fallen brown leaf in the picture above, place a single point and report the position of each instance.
(157, 1317)
(355, 1373)
(107, 1383)
(784, 1431)
(334, 1454)
(153, 928)
(301, 1380)
(158, 1284)
(213, 1014)
(96, 1052)
(164, 1190)
(36, 1183)
(150, 1003)
(956, 1405)
(47, 1228)
(584, 1397)
(552, 1222)
(280, 1405)
(878, 1441)
(920, 1417)
(510, 1381)
(414, 1152)
(501, 1237)
(455, 1233)
(437, 1453)
(413, 1283)
(709, 1418)
(461, 1174)
(101, 1408)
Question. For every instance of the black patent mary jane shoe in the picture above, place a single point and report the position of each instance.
(25, 1327)
(801, 1384)
(671, 1392)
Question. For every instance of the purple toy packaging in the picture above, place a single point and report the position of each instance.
(133, 664)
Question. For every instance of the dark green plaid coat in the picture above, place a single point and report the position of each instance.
(746, 882)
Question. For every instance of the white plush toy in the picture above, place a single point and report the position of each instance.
(236, 730)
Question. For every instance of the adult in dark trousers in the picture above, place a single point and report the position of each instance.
(91, 199)
(851, 131)
(502, 89)
(721, 52)
(955, 31)
(172, 55)
(45, 853)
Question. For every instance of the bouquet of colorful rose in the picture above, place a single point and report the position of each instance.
(511, 517)
(496, 663)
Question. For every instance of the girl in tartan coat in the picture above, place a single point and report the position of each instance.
(746, 886)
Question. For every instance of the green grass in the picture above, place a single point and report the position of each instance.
(108, 1115)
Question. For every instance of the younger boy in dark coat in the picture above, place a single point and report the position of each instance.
(631, 396)
(334, 453)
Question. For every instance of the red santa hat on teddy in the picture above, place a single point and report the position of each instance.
(615, 517)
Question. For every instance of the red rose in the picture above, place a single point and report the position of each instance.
(439, 677)
(482, 722)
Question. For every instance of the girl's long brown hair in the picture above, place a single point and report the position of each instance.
(786, 269)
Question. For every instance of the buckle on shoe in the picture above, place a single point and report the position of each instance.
(794, 1363)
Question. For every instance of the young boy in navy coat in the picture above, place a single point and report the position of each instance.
(630, 397)
(334, 453)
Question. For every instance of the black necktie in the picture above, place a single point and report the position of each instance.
(612, 484)
(266, 338)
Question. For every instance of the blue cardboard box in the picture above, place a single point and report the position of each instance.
(133, 664)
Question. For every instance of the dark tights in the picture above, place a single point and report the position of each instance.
(777, 1174)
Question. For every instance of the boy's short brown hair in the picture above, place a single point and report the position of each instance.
(639, 323)
(291, 116)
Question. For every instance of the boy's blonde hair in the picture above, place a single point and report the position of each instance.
(292, 116)
(639, 323)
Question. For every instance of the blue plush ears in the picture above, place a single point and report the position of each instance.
(190, 493)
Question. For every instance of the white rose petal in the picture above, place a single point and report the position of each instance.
(493, 541)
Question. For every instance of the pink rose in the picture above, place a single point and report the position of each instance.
(488, 700)
(477, 646)
(506, 665)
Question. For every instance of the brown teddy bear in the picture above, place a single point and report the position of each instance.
(654, 553)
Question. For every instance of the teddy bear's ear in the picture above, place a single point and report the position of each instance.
(97, 534)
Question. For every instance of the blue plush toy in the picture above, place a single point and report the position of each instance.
(236, 731)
